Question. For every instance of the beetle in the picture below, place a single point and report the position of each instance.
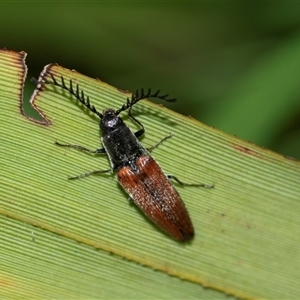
(137, 172)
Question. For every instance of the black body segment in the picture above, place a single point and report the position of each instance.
(121, 145)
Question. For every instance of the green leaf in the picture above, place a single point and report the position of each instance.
(83, 239)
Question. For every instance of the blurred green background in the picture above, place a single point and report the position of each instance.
(231, 65)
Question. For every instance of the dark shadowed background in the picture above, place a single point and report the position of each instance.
(231, 65)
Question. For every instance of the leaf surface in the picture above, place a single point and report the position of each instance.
(83, 239)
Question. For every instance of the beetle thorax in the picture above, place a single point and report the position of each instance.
(110, 121)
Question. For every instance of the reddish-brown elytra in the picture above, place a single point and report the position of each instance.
(152, 191)
(138, 173)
